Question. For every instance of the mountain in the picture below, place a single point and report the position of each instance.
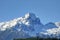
(50, 25)
(28, 26)
(52, 30)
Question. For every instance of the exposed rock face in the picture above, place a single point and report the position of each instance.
(28, 26)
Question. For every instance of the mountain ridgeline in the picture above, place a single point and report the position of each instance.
(28, 26)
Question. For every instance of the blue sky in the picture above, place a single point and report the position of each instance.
(46, 10)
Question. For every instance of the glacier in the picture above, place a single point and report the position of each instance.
(28, 26)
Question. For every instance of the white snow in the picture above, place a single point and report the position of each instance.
(28, 25)
(27, 15)
(57, 24)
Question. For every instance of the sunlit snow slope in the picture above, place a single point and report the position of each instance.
(28, 26)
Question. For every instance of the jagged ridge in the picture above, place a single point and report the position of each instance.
(28, 26)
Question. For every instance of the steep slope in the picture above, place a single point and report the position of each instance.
(20, 28)
(28, 26)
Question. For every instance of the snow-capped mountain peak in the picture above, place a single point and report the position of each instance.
(30, 15)
(28, 20)
(27, 26)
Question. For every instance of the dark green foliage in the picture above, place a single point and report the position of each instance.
(37, 38)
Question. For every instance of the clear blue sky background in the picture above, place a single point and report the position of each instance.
(46, 10)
